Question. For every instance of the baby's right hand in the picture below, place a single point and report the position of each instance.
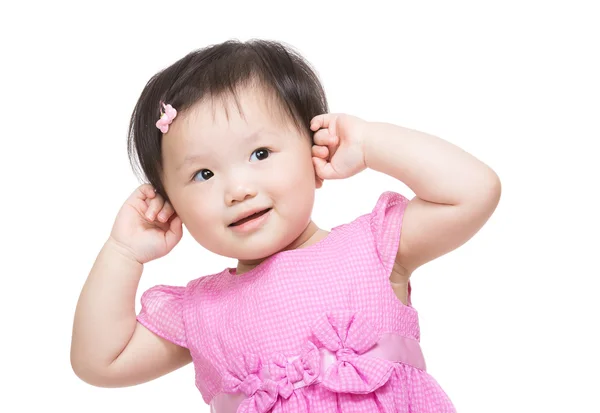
(146, 226)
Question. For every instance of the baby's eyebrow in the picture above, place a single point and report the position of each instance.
(249, 139)
(190, 159)
(255, 135)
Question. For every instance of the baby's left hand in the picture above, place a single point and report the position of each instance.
(338, 150)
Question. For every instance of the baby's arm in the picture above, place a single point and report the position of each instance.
(455, 192)
(109, 347)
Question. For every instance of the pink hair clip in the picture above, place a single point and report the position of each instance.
(166, 118)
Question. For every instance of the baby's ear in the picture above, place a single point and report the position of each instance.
(318, 182)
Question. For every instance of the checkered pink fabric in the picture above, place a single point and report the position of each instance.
(332, 296)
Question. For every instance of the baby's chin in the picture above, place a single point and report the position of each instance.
(256, 246)
(254, 253)
(253, 250)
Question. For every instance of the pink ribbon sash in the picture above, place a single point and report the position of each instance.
(392, 347)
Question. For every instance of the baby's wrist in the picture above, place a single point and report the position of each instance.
(121, 250)
(368, 138)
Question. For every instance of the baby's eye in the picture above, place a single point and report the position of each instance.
(261, 153)
(204, 174)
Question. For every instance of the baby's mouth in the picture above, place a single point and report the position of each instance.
(250, 218)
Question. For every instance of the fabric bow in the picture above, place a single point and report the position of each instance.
(348, 335)
(304, 368)
(243, 375)
(166, 118)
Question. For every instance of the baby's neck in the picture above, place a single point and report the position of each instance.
(311, 235)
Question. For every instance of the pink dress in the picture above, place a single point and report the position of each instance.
(317, 329)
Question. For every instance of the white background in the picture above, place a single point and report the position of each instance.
(509, 321)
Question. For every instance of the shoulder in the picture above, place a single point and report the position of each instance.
(386, 215)
(164, 292)
(207, 282)
(383, 226)
(379, 228)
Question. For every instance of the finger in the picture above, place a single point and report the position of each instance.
(155, 205)
(141, 195)
(147, 191)
(175, 231)
(323, 168)
(320, 122)
(166, 212)
(324, 138)
(320, 151)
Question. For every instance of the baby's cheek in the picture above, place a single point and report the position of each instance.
(202, 223)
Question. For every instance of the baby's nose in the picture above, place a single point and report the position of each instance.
(238, 193)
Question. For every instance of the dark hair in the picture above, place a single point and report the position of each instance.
(212, 72)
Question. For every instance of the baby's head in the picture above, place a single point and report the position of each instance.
(240, 143)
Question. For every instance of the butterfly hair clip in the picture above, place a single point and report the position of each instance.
(166, 117)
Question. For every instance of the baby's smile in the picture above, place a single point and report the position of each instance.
(250, 220)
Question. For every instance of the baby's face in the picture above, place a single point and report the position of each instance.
(236, 166)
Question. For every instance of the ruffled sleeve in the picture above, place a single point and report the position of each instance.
(162, 313)
(386, 226)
